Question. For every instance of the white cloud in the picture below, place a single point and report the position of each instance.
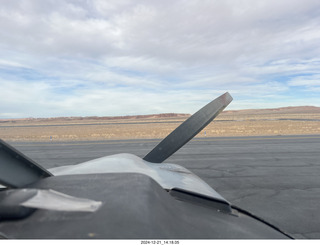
(308, 81)
(179, 31)
(82, 52)
(95, 102)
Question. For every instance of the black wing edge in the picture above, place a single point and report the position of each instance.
(16, 169)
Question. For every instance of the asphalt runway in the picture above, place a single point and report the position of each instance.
(275, 177)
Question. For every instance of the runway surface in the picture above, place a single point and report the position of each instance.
(275, 177)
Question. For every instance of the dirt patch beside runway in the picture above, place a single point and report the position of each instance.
(282, 121)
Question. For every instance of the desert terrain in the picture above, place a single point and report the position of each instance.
(281, 121)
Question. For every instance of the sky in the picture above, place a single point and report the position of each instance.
(115, 58)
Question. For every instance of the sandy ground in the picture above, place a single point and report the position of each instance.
(230, 123)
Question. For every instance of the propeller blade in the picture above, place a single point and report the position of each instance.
(188, 129)
(16, 169)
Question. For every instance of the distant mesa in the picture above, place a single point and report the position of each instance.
(152, 116)
(164, 115)
(282, 110)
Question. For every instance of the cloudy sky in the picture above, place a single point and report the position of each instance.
(108, 58)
